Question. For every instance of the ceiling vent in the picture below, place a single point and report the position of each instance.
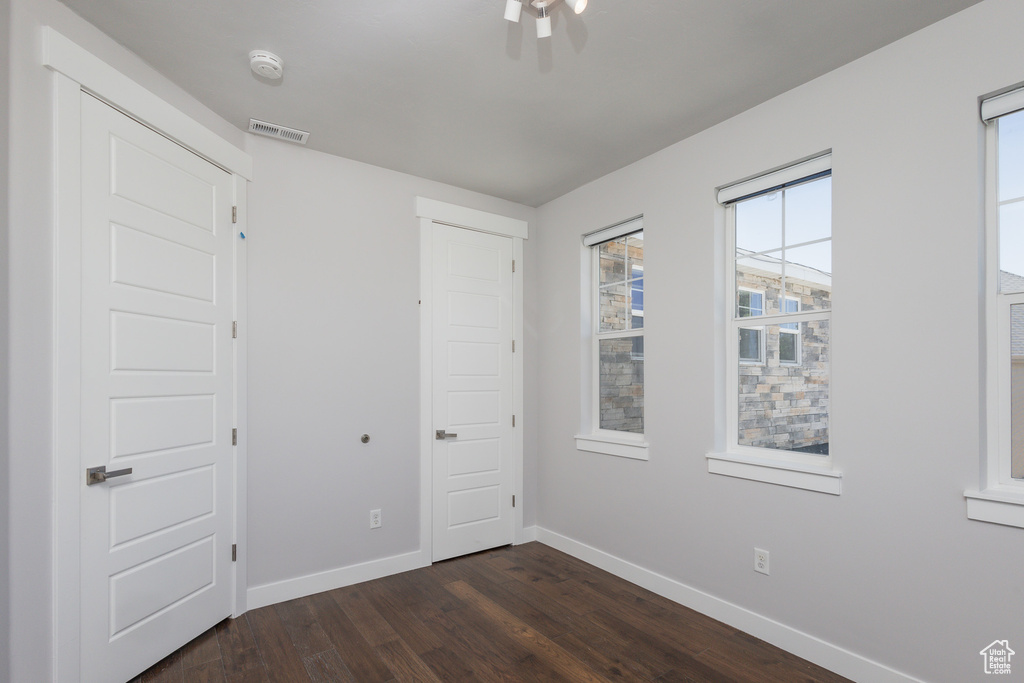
(272, 130)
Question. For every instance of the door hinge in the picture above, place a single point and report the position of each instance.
(234, 329)
(513, 420)
(234, 436)
(513, 265)
(513, 346)
(513, 500)
(234, 552)
(234, 214)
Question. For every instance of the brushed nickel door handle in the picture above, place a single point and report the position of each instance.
(98, 475)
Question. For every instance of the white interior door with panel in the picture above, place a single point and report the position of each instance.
(472, 402)
(156, 395)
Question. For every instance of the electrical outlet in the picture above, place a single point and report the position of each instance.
(374, 519)
(761, 561)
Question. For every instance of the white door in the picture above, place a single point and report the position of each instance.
(472, 391)
(157, 393)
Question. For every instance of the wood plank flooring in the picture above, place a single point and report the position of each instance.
(525, 613)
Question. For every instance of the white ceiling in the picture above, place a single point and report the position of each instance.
(452, 92)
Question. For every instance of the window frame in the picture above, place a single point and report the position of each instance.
(786, 468)
(999, 498)
(592, 437)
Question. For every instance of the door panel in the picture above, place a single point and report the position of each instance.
(139, 509)
(472, 385)
(143, 260)
(151, 343)
(192, 199)
(146, 425)
(157, 385)
(474, 457)
(180, 574)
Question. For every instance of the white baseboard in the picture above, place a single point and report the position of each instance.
(300, 587)
(827, 655)
(289, 589)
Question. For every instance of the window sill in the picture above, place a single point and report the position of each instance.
(778, 471)
(998, 505)
(635, 448)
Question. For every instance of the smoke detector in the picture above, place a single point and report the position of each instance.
(266, 64)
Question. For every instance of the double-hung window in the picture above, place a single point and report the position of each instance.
(615, 404)
(1001, 495)
(778, 330)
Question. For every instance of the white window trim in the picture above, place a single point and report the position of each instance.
(592, 438)
(783, 468)
(792, 471)
(999, 499)
(608, 442)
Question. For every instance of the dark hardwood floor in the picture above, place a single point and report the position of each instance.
(525, 613)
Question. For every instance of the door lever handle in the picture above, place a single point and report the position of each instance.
(441, 435)
(98, 475)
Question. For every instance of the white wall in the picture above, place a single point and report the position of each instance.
(891, 570)
(324, 232)
(333, 338)
(5, 623)
(31, 447)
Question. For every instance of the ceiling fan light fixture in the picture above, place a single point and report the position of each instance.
(543, 20)
(513, 8)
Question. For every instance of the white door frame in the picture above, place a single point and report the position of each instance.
(75, 69)
(431, 211)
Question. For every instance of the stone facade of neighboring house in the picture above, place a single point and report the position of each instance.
(622, 386)
(621, 360)
(1010, 282)
(785, 405)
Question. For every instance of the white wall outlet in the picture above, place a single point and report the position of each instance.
(761, 561)
(374, 519)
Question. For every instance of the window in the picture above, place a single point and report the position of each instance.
(616, 346)
(783, 248)
(636, 293)
(779, 241)
(1010, 238)
(1001, 498)
(789, 335)
(750, 304)
(636, 299)
(619, 333)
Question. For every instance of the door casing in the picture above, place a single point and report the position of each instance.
(431, 211)
(75, 69)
